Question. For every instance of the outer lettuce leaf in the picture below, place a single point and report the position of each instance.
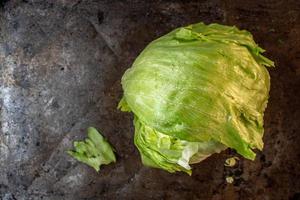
(163, 151)
(93, 151)
(199, 83)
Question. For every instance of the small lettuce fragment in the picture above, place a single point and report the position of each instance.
(229, 179)
(94, 150)
(231, 162)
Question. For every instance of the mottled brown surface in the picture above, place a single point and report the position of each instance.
(60, 67)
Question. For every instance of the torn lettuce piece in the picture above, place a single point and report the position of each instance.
(94, 150)
(231, 162)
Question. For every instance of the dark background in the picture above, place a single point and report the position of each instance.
(60, 67)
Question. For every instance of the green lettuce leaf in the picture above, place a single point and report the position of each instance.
(202, 84)
(94, 150)
(163, 151)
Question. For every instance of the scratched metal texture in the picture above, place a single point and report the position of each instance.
(60, 68)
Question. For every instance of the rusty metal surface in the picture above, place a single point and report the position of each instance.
(60, 69)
